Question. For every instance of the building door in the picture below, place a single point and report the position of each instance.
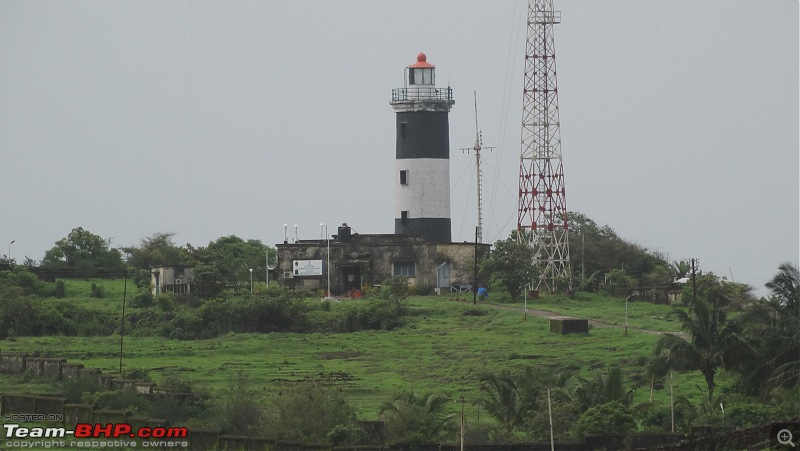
(443, 277)
(351, 278)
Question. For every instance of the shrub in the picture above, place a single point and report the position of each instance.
(142, 300)
(239, 410)
(397, 288)
(311, 412)
(613, 417)
(97, 291)
(165, 302)
(61, 289)
(372, 315)
(139, 374)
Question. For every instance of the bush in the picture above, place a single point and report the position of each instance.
(142, 300)
(311, 412)
(165, 302)
(61, 289)
(396, 288)
(239, 410)
(97, 291)
(613, 417)
(372, 315)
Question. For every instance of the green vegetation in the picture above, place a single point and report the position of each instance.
(279, 360)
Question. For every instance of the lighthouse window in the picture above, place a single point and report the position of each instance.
(404, 269)
(404, 217)
(420, 77)
(404, 177)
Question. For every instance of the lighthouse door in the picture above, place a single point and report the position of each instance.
(443, 277)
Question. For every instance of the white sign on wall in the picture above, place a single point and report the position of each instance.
(308, 267)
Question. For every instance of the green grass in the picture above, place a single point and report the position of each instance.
(609, 310)
(439, 350)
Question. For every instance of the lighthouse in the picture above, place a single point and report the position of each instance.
(422, 165)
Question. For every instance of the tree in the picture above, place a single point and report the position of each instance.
(614, 417)
(157, 249)
(85, 254)
(309, 412)
(240, 409)
(604, 388)
(503, 400)
(715, 342)
(774, 324)
(594, 248)
(511, 263)
(413, 419)
(231, 258)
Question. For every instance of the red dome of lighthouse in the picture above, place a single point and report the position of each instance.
(422, 61)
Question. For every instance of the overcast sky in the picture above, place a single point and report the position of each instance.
(679, 119)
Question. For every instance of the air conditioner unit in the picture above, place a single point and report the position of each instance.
(178, 281)
(287, 274)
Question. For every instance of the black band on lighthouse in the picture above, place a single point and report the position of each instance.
(423, 134)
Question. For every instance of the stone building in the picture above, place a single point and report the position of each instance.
(366, 260)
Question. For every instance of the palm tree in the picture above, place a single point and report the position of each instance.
(715, 342)
(414, 419)
(785, 287)
(601, 390)
(503, 400)
(775, 326)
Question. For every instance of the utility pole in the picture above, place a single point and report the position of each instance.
(694, 280)
(671, 403)
(550, 416)
(462, 422)
(122, 323)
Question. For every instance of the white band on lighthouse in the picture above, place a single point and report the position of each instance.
(426, 193)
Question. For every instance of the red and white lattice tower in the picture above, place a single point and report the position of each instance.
(542, 215)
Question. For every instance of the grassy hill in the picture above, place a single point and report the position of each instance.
(443, 347)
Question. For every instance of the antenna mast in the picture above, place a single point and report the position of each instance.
(477, 148)
(542, 214)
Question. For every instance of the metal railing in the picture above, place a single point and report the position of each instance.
(421, 93)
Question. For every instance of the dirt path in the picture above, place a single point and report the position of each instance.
(547, 315)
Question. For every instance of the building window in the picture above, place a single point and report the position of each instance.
(404, 177)
(404, 269)
(404, 217)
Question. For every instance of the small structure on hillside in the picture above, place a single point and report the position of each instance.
(170, 279)
(564, 325)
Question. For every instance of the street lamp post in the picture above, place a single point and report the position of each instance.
(266, 267)
(285, 238)
(328, 264)
(626, 315)
(9, 252)
(251, 281)
(526, 288)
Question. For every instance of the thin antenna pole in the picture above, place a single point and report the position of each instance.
(477, 148)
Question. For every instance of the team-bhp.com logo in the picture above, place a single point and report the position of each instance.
(97, 430)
